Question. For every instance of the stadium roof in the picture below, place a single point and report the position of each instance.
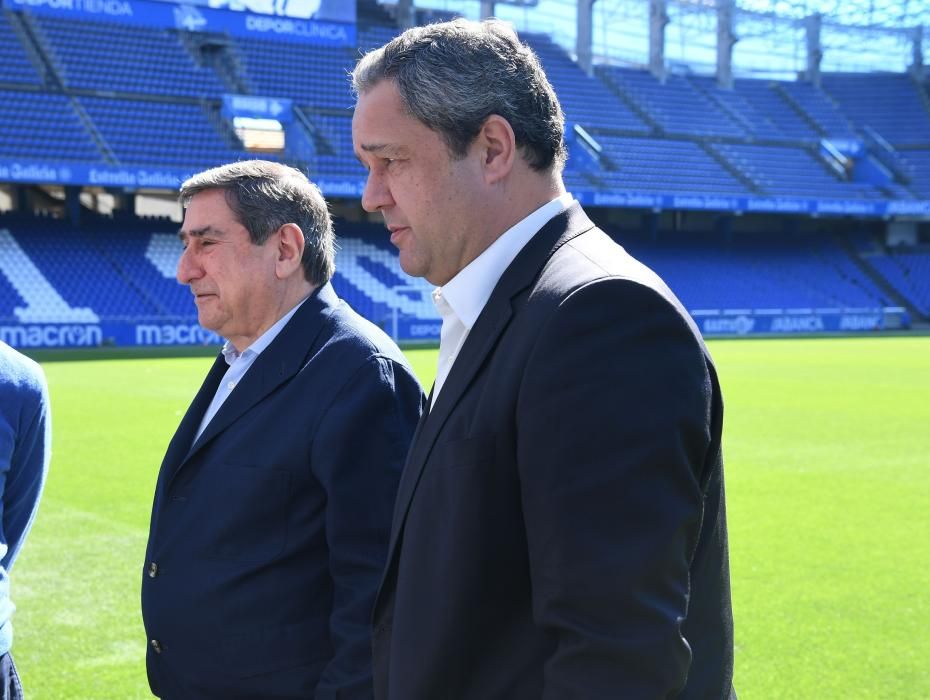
(891, 14)
(856, 35)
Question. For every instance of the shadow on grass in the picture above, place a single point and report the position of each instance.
(124, 353)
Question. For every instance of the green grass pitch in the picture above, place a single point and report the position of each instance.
(827, 446)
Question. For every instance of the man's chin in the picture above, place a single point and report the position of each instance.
(206, 323)
(411, 267)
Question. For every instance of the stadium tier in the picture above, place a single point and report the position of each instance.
(167, 134)
(909, 274)
(660, 165)
(584, 99)
(123, 271)
(45, 126)
(893, 105)
(311, 75)
(121, 96)
(759, 271)
(675, 106)
(917, 165)
(121, 58)
(125, 105)
(17, 66)
(785, 170)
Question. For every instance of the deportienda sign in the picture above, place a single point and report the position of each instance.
(199, 18)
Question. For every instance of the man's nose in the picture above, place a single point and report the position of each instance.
(376, 194)
(188, 268)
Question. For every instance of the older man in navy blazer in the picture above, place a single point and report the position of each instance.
(273, 504)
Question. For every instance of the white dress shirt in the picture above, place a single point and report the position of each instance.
(239, 364)
(462, 299)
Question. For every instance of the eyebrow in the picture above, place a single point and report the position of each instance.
(372, 147)
(198, 232)
(380, 149)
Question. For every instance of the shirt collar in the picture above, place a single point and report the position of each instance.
(230, 354)
(467, 293)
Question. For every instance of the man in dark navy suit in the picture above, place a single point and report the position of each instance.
(273, 504)
(560, 529)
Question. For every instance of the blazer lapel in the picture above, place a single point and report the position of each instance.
(277, 363)
(481, 340)
(180, 444)
(184, 436)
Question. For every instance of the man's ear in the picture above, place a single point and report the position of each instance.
(498, 148)
(290, 250)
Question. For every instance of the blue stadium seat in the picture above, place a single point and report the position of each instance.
(125, 58)
(17, 68)
(43, 126)
(175, 135)
(908, 271)
(888, 103)
(791, 171)
(584, 99)
(676, 106)
(310, 75)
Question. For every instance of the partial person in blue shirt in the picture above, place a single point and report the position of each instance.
(25, 447)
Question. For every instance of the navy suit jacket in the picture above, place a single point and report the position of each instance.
(268, 535)
(559, 530)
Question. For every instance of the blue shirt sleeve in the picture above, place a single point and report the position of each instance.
(25, 450)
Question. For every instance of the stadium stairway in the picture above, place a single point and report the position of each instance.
(864, 258)
(816, 108)
(21, 61)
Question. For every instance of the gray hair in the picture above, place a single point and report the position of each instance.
(453, 75)
(264, 196)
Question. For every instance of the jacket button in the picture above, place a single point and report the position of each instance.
(153, 570)
(156, 646)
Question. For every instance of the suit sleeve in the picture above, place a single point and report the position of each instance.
(358, 455)
(613, 425)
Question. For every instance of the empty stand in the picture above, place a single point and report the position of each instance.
(120, 95)
(43, 303)
(338, 160)
(308, 74)
(369, 278)
(791, 171)
(676, 106)
(176, 135)
(918, 164)
(766, 99)
(125, 58)
(147, 254)
(665, 165)
(759, 271)
(42, 126)
(753, 120)
(889, 103)
(123, 269)
(812, 103)
(17, 68)
(583, 98)
(908, 271)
